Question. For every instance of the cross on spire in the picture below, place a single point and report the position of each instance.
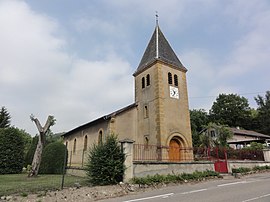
(156, 18)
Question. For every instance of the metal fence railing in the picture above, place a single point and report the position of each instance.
(179, 154)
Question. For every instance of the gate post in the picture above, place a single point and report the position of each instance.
(266, 155)
(127, 148)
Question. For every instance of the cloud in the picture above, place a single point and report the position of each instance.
(38, 75)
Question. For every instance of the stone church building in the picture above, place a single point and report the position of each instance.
(159, 114)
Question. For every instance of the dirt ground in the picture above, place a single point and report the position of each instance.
(79, 193)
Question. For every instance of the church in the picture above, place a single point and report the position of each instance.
(159, 115)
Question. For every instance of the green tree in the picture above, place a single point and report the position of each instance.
(53, 158)
(198, 120)
(106, 162)
(263, 116)
(31, 151)
(231, 110)
(216, 135)
(27, 139)
(11, 150)
(4, 118)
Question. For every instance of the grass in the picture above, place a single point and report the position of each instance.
(21, 184)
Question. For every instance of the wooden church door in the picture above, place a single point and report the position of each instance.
(174, 150)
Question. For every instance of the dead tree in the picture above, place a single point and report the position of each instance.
(41, 142)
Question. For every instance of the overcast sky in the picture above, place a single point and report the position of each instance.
(75, 59)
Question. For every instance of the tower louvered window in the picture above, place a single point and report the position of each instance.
(143, 82)
(148, 80)
(169, 78)
(175, 80)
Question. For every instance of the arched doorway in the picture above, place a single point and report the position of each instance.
(175, 150)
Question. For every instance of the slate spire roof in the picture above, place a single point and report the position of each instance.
(159, 48)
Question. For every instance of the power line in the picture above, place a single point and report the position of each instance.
(213, 96)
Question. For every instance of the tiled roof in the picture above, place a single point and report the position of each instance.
(159, 48)
(103, 118)
(249, 133)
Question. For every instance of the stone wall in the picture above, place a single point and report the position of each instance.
(142, 169)
(245, 164)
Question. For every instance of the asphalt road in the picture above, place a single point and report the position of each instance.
(255, 188)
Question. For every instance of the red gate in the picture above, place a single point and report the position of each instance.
(220, 160)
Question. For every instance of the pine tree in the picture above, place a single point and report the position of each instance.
(106, 163)
(4, 118)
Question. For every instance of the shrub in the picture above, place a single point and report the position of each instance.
(11, 151)
(31, 151)
(106, 163)
(241, 170)
(52, 160)
(158, 179)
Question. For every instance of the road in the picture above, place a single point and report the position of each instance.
(254, 188)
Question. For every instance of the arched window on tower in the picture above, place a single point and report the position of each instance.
(169, 78)
(143, 82)
(148, 80)
(175, 80)
(74, 146)
(85, 143)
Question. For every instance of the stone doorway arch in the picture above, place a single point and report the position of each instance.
(174, 150)
(177, 148)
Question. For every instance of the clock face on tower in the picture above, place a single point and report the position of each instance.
(174, 92)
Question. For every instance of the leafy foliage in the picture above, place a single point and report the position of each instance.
(176, 178)
(241, 170)
(11, 151)
(231, 110)
(106, 163)
(31, 151)
(198, 119)
(4, 118)
(53, 158)
(215, 135)
(27, 139)
(263, 113)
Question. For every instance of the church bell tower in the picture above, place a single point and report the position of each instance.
(161, 95)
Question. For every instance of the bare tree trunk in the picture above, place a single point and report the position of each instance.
(41, 142)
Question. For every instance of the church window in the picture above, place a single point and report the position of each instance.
(170, 78)
(74, 146)
(143, 82)
(148, 80)
(212, 133)
(175, 80)
(85, 143)
(146, 112)
(100, 136)
(146, 142)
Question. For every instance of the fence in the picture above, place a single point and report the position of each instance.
(180, 154)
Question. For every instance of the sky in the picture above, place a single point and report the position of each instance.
(75, 59)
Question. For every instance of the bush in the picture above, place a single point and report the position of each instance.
(241, 170)
(158, 179)
(106, 163)
(52, 160)
(31, 151)
(11, 151)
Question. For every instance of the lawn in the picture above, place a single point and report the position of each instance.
(21, 184)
